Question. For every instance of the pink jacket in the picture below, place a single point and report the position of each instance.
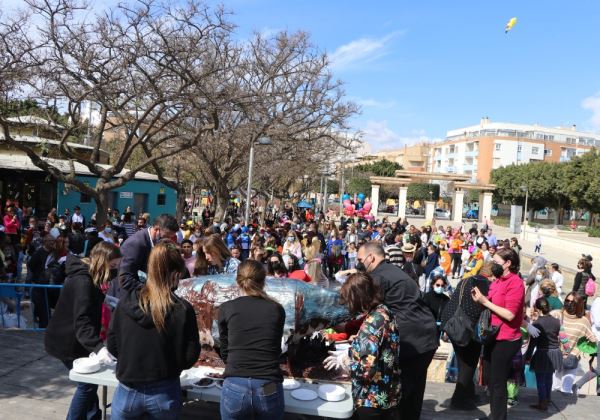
(11, 226)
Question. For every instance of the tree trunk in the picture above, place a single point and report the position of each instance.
(221, 201)
(180, 203)
(101, 207)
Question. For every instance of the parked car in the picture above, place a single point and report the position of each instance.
(441, 214)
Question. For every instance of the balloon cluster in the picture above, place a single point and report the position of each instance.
(361, 208)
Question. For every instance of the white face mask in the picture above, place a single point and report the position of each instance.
(438, 290)
(538, 277)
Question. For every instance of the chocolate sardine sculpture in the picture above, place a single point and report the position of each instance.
(308, 308)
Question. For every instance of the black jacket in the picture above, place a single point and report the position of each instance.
(471, 308)
(74, 329)
(135, 252)
(143, 353)
(416, 325)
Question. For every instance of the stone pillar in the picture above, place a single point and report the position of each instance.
(429, 209)
(485, 206)
(374, 200)
(457, 205)
(402, 202)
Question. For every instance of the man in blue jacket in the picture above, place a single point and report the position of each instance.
(136, 249)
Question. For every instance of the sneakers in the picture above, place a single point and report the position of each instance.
(512, 402)
(575, 390)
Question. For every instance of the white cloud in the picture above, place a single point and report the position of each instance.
(374, 103)
(363, 50)
(592, 103)
(379, 136)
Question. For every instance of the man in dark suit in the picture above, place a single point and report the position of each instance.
(136, 249)
(415, 323)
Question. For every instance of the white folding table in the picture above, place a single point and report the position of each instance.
(337, 410)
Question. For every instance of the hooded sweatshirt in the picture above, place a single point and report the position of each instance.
(74, 329)
(144, 354)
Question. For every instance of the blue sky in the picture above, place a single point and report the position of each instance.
(420, 68)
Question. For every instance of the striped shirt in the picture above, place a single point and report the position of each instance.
(394, 255)
(572, 330)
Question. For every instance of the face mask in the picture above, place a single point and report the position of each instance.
(570, 307)
(438, 290)
(538, 277)
(545, 290)
(108, 230)
(360, 266)
(291, 239)
(497, 270)
(114, 272)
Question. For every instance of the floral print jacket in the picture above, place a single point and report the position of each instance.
(374, 365)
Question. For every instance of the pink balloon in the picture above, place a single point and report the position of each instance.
(367, 206)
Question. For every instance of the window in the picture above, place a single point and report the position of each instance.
(498, 147)
(535, 150)
(548, 152)
(519, 148)
(161, 199)
(84, 198)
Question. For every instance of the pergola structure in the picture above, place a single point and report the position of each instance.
(403, 178)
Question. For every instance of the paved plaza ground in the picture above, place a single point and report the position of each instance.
(34, 386)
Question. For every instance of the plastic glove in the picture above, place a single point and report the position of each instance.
(533, 331)
(337, 361)
(104, 357)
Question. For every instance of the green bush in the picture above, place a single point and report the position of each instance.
(593, 232)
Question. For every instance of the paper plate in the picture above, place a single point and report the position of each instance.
(86, 365)
(332, 392)
(304, 394)
(291, 384)
(342, 346)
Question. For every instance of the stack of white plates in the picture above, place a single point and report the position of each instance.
(86, 365)
(332, 392)
(290, 384)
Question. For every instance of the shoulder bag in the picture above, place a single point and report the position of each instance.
(459, 327)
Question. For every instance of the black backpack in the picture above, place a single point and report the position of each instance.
(459, 327)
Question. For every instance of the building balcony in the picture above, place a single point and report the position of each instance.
(467, 167)
(471, 153)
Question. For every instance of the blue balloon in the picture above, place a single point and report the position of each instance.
(361, 196)
(345, 197)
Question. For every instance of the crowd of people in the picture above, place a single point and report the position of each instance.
(412, 287)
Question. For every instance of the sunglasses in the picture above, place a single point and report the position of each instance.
(569, 300)
(439, 284)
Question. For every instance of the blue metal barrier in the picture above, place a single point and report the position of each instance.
(15, 291)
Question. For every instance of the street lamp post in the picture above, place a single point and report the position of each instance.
(526, 190)
(265, 141)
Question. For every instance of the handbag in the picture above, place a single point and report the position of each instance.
(570, 362)
(459, 327)
(485, 332)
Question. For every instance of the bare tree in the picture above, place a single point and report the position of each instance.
(279, 87)
(153, 71)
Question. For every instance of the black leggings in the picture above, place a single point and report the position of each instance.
(497, 359)
(456, 263)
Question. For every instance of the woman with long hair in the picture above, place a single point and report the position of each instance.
(373, 358)
(313, 266)
(218, 256)
(250, 331)
(201, 265)
(74, 329)
(154, 336)
(574, 326)
(292, 245)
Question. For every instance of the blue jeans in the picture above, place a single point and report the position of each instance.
(84, 404)
(543, 381)
(243, 398)
(155, 400)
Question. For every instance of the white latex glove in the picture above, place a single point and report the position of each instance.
(337, 361)
(104, 357)
(533, 331)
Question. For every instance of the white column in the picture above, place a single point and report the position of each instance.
(485, 206)
(374, 199)
(402, 202)
(429, 209)
(457, 205)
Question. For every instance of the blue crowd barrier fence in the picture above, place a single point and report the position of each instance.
(13, 293)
